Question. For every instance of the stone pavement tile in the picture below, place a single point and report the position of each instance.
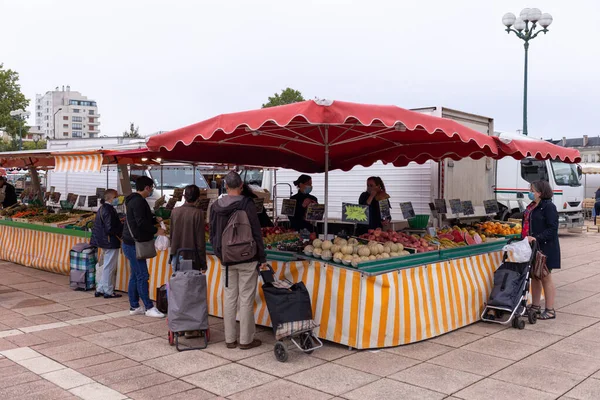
(13, 379)
(592, 334)
(587, 390)
(86, 312)
(10, 332)
(4, 327)
(297, 362)
(107, 367)
(555, 327)
(330, 351)
(492, 389)
(107, 308)
(558, 360)
(456, 339)
(5, 362)
(20, 354)
(96, 391)
(435, 377)
(377, 362)
(42, 319)
(80, 330)
(29, 311)
(469, 361)
(41, 365)
(57, 343)
(64, 315)
(38, 328)
(483, 328)
(52, 394)
(578, 346)
(220, 350)
(158, 328)
(527, 336)
(194, 394)
(332, 378)
(32, 285)
(502, 348)
(124, 322)
(17, 322)
(556, 382)
(142, 382)
(228, 379)
(15, 392)
(187, 362)
(165, 390)
(73, 353)
(117, 337)
(124, 374)
(68, 296)
(100, 326)
(589, 307)
(280, 390)
(52, 335)
(145, 350)
(6, 345)
(87, 320)
(93, 360)
(390, 389)
(568, 295)
(422, 351)
(67, 378)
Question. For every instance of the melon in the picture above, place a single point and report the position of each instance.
(394, 254)
(379, 256)
(364, 251)
(337, 257)
(372, 243)
(477, 238)
(387, 249)
(347, 259)
(337, 240)
(384, 255)
(317, 253)
(400, 247)
(372, 257)
(364, 258)
(317, 243)
(355, 262)
(335, 248)
(342, 242)
(326, 255)
(326, 245)
(347, 249)
(352, 241)
(308, 250)
(380, 248)
(355, 249)
(374, 250)
(469, 239)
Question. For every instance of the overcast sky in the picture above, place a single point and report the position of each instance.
(167, 64)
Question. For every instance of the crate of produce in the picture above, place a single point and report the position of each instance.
(419, 221)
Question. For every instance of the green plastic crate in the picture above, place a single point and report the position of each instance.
(419, 221)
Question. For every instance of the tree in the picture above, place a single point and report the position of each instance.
(11, 99)
(287, 96)
(133, 132)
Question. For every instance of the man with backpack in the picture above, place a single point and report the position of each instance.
(236, 238)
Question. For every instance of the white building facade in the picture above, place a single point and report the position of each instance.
(66, 114)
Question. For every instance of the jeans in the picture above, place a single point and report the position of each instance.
(106, 284)
(242, 289)
(138, 279)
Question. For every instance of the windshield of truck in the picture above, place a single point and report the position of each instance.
(176, 177)
(253, 176)
(565, 174)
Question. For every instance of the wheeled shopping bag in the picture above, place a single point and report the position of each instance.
(187, 303)
(83, 259)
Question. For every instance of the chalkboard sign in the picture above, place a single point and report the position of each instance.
(456, 206)
(55, 197)
(288, 207)
(100, 192)
(467, 207)
(407, 209)
(260, 205)
(47, 196)
(440, 206)
(384, 209)
(433, 210)
(315, 212)
(355, 213)
(92, 201)
(52, 189)
(178, 193)
(81, 201)
(491, 207)
(71, 198)
(202, 204)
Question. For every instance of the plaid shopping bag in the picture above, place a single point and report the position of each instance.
(83, 269)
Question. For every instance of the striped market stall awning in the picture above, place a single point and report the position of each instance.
(78, 163)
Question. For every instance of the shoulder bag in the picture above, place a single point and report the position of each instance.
(143, 250)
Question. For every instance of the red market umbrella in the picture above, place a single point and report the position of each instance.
(523, 147)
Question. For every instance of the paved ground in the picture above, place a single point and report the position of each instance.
(58, 344)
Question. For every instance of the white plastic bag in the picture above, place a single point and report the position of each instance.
(162, 243)
(518, 252)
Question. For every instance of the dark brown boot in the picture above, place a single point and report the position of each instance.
(255, 343)
(231, 345)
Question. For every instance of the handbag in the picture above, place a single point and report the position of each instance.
(143, 250)
(540, 269)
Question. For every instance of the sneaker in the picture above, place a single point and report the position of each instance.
(137, 311)
(255, 343)
(154, 313)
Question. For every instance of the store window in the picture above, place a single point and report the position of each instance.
(65, 118)
(77, 134)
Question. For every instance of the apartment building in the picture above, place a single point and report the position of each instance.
(66, 114)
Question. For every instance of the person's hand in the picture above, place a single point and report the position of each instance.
(161, 232)
(531, 239)
(263, 267)
(307, 202)
(159, 219)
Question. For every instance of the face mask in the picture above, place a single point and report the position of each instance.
(151, 193)
(307, 189)
(531, 196)
(115, 202)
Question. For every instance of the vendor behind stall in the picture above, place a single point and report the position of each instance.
(303, 200)
(7, 193)
(263, 217)
(372, 197)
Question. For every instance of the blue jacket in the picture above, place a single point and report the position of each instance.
(543, 226)
(107, 228)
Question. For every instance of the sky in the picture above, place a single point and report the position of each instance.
(167, 64)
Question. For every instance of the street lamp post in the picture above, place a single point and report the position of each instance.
(54, 123)
(520, 27)
(20, 115)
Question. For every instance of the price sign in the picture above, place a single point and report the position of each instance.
(260, 205)
(384, 209)
(71, 198)
(92, 201)
(100, 192)
(55, 197)
(52, 189)
(491, 207)
(456, 206)
(288, 207)
(433, 210)
(178, 194)
(467, 207)
(440, 206)
(81, 201)
(355, 213)
(47, 196)
(407, 209)
(202, 204)
(315, 212)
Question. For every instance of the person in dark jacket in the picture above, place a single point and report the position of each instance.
(10, 195)
(139, 227)
(372, 197)
(540, 224)
(303, 200)
(188, 229)
(597, 205)
(263, 217)
(106, 235)
(241, 278)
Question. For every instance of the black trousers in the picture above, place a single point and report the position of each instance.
(597, 209)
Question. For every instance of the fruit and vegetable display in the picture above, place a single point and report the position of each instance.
(494, 228)
(276, 234)
(352, 252)
(416, 242)
(21, 211)
(51, 218)
(457, 237)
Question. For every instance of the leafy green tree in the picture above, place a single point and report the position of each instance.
(287, 96)
(35, 145)
(133, 132)
(11, 99)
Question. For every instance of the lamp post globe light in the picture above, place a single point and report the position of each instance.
(530, 23)
(20, 115)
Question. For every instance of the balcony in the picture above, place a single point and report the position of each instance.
(95, 123)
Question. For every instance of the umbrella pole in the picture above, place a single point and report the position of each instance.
(326, 181)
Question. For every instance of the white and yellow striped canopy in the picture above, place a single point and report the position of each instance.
(78, 163)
